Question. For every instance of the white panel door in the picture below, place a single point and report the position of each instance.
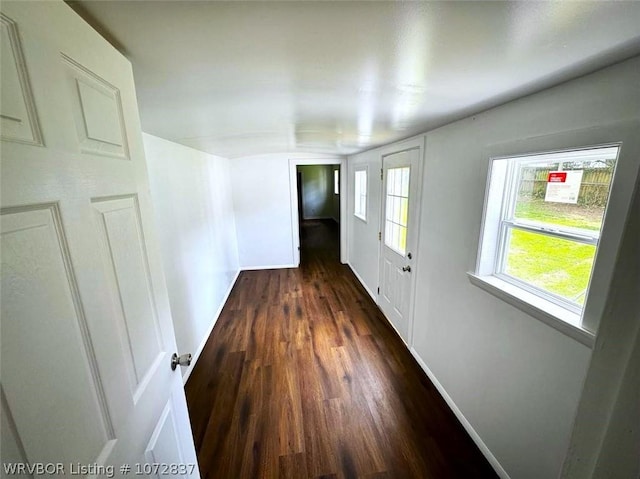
(400, 191)
(86, 330)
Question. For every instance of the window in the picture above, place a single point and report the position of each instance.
(360, 199)
(542, 221)
(336, 182)
(397, 209)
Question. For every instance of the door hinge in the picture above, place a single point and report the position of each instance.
(378, 289)
(379, 235)
(381, 174)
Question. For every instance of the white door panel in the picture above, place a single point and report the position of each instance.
(86, 327)
(97, 111)
(42, 315)
(164, 446)
(124, 256)
(400, 199)
(12, 451)
(18, 118)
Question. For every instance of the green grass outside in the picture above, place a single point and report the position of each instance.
(559, 266)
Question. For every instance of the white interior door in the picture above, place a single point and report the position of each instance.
(400, 191)
(86, 330)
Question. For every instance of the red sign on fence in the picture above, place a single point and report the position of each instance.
(557, 177)
(563, 186)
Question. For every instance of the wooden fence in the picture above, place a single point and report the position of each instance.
(594, 189)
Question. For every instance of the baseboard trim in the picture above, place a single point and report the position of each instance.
(366, 288)
(271, 266)
(463, 420)
(475, 437)
(198, 352)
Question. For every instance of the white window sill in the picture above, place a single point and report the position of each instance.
(563, 320)
(361, 218)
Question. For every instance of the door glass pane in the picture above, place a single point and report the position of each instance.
(397, 209)
(404, 211)
(405, 182)
(391, 175)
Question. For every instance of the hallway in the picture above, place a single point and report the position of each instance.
(303, 377)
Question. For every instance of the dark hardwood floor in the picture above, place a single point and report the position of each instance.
(303, 377)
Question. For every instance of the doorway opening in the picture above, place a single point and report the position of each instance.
(318, 211)
(318, 203)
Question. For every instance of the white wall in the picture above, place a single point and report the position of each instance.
(191, 193)
(364, 247)
(262, 205)
(262, 209)
(516, 380)
(606, 436)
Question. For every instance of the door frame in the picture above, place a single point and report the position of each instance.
(293, 189)
(410, 144)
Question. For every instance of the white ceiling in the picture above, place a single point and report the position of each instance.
(243, 78)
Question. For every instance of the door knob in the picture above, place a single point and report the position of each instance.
(182, 360)
(407, 269)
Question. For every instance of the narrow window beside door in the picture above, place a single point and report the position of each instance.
(360, 196)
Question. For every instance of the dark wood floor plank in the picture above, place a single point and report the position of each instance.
(303, 377)
(218, 421)
(293, 466)
(321, 454)
(288, 408)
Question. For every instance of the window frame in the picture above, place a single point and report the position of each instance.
(336, 181)
(508, 221)
(581, 327)
(364, 169)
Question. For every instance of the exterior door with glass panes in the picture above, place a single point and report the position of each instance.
(399, 239)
